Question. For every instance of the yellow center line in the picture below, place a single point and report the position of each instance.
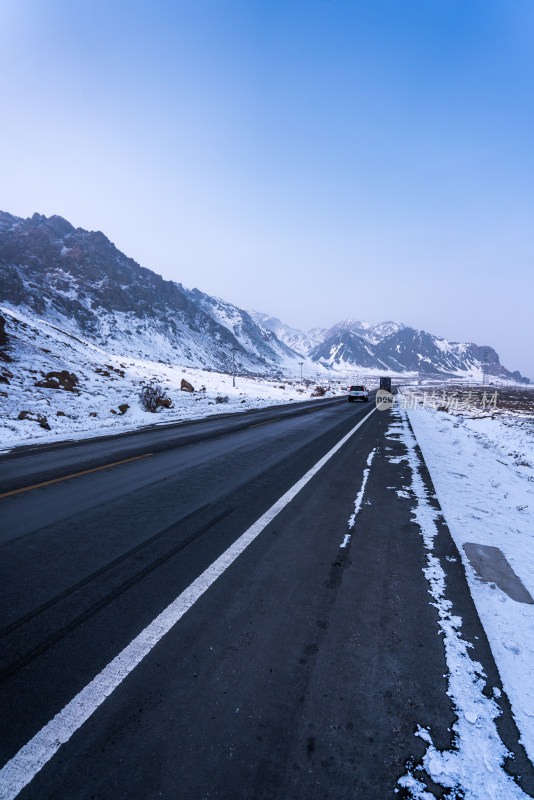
(74, 475)
(264, 423)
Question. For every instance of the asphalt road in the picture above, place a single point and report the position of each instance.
(302, 671)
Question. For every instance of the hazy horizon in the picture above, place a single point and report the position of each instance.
(313, 160)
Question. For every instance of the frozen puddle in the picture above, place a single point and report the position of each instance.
(473, 768)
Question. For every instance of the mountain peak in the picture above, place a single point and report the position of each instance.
(80, 281)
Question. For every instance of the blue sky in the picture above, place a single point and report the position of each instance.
(314, 159)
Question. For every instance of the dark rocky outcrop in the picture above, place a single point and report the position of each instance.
(65, 380)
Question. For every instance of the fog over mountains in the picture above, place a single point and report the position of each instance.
(80, 282)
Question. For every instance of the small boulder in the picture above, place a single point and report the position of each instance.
(5, 357)
(60, 414)
(123, 408)
(164, 402)
(185, 386)
(92, 413)
(34, 416)
(112, 411)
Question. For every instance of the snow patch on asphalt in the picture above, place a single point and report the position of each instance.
(359, 498)
(473, 769)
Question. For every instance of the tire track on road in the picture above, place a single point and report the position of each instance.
(54, 638)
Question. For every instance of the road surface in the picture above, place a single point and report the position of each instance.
(180, 619)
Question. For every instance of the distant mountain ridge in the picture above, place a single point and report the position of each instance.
(389, 347)
(79, 281)
(302, 343)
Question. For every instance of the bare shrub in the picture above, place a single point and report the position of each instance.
(152, 397)
(148, 396)
(319, 391)
(221, 398)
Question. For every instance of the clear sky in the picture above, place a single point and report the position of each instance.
(313, 159)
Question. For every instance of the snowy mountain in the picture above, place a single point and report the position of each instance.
(302, 343)
(342, 349)
(387, 347)
(405, 350)
(80, 282)
(371, 333)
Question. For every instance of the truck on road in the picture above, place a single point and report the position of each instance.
(385, 383)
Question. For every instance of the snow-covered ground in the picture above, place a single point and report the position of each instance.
(474, 767)
(482, 466)
(107, 381)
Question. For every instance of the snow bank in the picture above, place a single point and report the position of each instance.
(483, 472)
(473, 768)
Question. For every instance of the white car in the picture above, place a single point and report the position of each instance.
(358, 393)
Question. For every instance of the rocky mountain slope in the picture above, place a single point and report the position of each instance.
(80, 282)
(54, 385)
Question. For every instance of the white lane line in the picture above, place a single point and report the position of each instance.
(31, 758)
(359, 498)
